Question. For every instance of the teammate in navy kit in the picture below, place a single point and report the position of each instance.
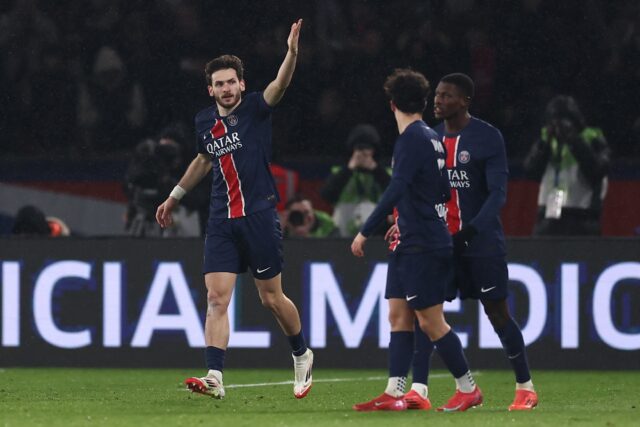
(234, 142)
(477, 167)
(421, 265)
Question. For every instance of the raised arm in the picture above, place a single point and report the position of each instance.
(197, 170)
(275, 90)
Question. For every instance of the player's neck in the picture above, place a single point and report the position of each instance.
(224, 112)
(457, 123)
(404, 120)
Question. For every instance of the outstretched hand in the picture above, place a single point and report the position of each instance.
(294, 36)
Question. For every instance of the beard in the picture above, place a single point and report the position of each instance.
(228, 102)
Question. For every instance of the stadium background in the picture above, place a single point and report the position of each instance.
(519, 53)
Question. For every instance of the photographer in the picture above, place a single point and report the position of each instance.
(571, 161)
(301, 220)
(355, 187)
(153, 170)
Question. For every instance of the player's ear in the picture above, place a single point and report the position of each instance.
(242, 86)
(210, 90)
(392, 106)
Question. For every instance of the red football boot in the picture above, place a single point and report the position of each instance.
(525, 400)
(384, 402)
(415, 401)
(462, 401)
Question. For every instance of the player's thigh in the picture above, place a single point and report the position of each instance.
(425, 277)
(221, 249)
(219, 287)
(401, 316)
(486, 278)
(394, 287)
(262, 237)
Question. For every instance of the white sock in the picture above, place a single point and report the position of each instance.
(525, 386)
(465, 383)
(421, 389)
(215, 374)
(302, 356)
(395, 386)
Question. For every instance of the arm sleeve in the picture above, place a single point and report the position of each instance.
(496, 173)
(263, 107)
(593, 159)
(408, 160)
(200, 148)
(389, 199)
(335, 184)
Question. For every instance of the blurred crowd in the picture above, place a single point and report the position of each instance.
(97, 77)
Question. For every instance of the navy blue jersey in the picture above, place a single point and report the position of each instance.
(477, 167)
(419, 189)
(239, 146)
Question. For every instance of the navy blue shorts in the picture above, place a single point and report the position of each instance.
(420, 278)
(253, 241)
(483, 278)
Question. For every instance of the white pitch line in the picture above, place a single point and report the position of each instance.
(330, 380)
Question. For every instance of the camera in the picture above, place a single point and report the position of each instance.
(296, 218)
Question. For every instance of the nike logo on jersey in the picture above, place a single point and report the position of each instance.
(263, 270)
(409, 298)
(513, 357)
(483, 290)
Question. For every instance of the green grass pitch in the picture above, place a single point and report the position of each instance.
(121, 397)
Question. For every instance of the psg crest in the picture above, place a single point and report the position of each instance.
(464, 157)
(232, 120)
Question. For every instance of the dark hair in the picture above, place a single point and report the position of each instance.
(296, 198)
(363, 135)
(565, 107)
(30, 221)
(408, 90)
(221, 63)
(462, 82)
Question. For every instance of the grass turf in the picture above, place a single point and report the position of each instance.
(73, 397)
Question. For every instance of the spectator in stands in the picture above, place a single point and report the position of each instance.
(354, 188)
(31, 221)
(301, 220)
(571, 160)
(111, 107)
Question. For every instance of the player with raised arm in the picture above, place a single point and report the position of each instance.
(243, 230)
(477, 167)
(421, 265)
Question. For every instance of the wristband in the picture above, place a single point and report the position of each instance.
(177, 192)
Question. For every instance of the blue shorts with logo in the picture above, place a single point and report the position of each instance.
(253, 241)
(483, 278)
(420, 278)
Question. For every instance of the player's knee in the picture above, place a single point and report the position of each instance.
(217, 301)
(400, 322)
(497, 317)
(269, 300)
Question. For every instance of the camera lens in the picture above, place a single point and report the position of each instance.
(296, 218)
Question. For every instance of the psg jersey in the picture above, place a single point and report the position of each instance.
(477, 168)
(239, 146)
(419, 189)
